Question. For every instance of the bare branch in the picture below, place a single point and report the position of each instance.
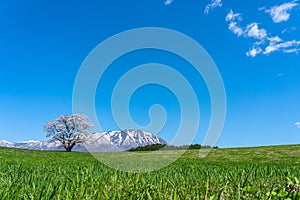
(69, 130)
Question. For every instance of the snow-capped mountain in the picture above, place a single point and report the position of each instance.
(97, 142)
(38, 145)
(120, 140)
(4, 143)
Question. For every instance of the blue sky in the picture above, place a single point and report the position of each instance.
(255, 45)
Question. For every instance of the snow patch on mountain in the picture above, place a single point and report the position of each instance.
(110, 141)
(120, 140)
(4, 143)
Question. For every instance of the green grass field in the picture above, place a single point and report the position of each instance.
(241, 173)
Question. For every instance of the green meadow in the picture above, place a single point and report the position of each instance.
(233, 173)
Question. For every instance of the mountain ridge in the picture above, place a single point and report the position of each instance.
(110, 141)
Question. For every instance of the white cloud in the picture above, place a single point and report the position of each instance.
(235, 29)
(274, 39)
(250, 31)
(254, 51)
(293, 50)
(264, 43)
(213, 4)
(168, 2)
(274, 44)
(282, 12)
(288, 30)
(232, 18)
(262, 8)
(292, 46)
(270, 48)
(297, 124)
(254, 31)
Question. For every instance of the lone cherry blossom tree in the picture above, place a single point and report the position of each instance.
(69, 130)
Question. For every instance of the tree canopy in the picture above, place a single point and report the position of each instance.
(68, 129)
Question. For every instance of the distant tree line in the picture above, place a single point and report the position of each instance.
(154, 147)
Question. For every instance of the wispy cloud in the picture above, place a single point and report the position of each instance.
(233, 16)
(264, 43)
(168, 2)
(288, 30)
(213, 4)
(252, 30)
(292, 46)
(253, 51)
(282, 12)
(297, 124)
(273, 44)
(233, 19)
(235, 28)
(274, 39)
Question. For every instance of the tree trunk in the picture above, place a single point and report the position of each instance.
(69, 147)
